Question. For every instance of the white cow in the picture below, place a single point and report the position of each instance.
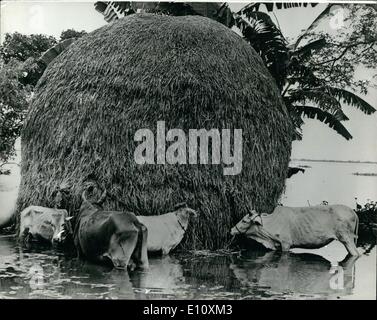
(301, 227)
(43, 223)
(166, 231)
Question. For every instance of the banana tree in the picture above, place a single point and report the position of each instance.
(305, 93)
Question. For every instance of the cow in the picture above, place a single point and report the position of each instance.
(42, 224)
(114, 236)
(166, 231)
(301, 227)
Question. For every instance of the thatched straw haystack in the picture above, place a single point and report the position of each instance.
(189, 71)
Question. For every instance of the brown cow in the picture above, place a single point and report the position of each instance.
(301, 227)
(110, 235)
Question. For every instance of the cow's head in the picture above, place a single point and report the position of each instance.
(93, 190)
(183, 211)
(251, 225)
(59, 221)
(247, 224)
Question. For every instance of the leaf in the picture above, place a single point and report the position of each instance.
(324, 14)
(306, 50)
(255, 6)
(264, 36)
(321, 97)
(325, 117)
(352, 99)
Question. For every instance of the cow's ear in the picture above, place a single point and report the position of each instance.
(258, 220)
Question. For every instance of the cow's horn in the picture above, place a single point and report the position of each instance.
(103, 197)
(180, 205)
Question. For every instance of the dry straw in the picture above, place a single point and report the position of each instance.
(191, 72)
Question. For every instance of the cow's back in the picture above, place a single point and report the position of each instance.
(315, 226)
(162, 230)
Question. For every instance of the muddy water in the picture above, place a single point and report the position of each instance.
(47, 273)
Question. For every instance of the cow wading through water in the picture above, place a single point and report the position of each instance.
(110, 235)
(167, 230)
(301, 227)
(44, 224)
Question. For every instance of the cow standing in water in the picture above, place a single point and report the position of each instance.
(110, 235)
(44, 224)
(167, 230)
(301, 227)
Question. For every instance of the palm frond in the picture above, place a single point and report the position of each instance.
(265, 37)
(325, 117)
(299, 73)
(321, 97)
(306, 51)
(270, 6)
(351, 99)
(324, 14)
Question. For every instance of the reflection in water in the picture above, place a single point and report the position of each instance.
(291, 273)
(165, 276)
(45, 273)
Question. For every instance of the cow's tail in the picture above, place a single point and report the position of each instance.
(356, 233)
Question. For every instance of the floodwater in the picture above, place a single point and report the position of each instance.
(325, 273)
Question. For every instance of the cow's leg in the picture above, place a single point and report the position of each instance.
(140, 255)
(79, 252)
(348, 262)
(346, 236)
(285, 246)
(25, 236)
(165, 251)
(144, 263)
(349, 242)
(285, 243)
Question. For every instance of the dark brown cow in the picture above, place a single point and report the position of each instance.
(110, 235)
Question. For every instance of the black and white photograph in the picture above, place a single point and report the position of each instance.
(186, 151)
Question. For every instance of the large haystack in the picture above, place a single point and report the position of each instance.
(189, 71)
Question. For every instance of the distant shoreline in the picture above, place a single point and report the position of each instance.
(340, 161)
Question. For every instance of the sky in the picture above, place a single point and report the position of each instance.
(319, 141)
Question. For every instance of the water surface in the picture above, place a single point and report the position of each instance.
(47, 273)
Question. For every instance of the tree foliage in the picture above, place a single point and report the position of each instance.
(22, 47)
(71, 33)
(318, 78)
(20, 70)
(13, 104)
